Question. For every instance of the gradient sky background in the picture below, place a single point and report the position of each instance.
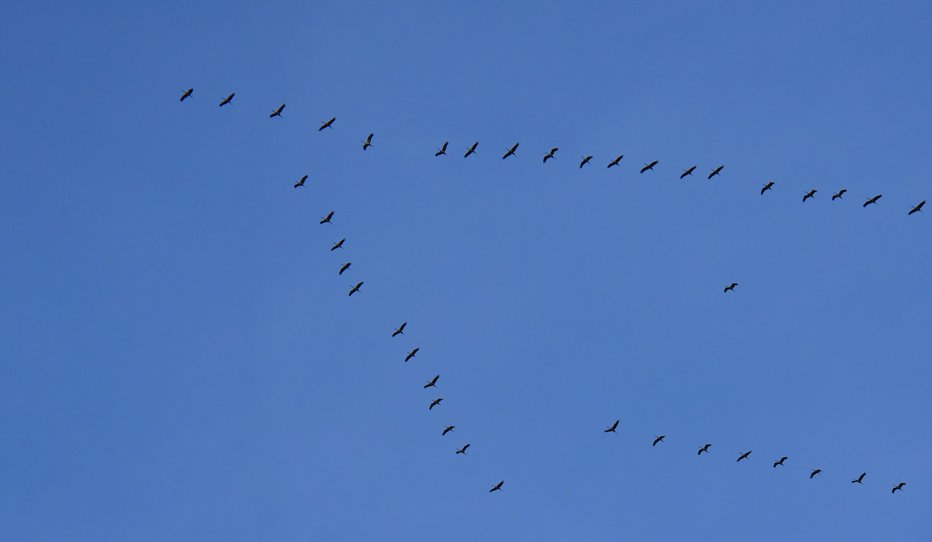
(180, 361)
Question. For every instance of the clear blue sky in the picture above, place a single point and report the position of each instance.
(180, 361)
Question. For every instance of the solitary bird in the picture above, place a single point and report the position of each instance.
(859, 479)
(551, 154)
(839, 194)
(918, 207)
(345, 267)
(327, 219)
(367, 143)
(511, 151)
(463, 449)
(809, 194)
(356, 288)
(613, 427)
(585, 160)
(497, 487)
(443, 149)
(277, 112)
(616, 161)
(872, 200)
(898, 486)
(300, 181)
(730, 287)
(327, 124)
(186, 94)
(228, 99)
(650, 166)
(813, 473)
(400, 330)
(705, 448)
(686, 172)
(766, 187)
(411, 354)
(471, 150)
(716, 171)
(434, 403)
(447, 429)
(745, 455)
(432, 383)
(338, 244)
(658, 439)
(779, 462)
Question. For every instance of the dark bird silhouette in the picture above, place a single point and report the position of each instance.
(471, 150)
(705, 448)
(432, 383)
(616, 161)
(411, 354)
(859, 479)
(338, 244)
(839, 194)
(613, 427)
(809, 194)
(872, 200)
(686, 172)
(368, 142)
(650, 166)
(434, 403)
(187, 94)
(511, 151)
(497, 487)
(585, 160)
(716, 171)
(918, 207)
(898, 486)
(730, 287)
(327, 219)
(400, 330)
(814, 473)
(447, 429)
(551, 154)
(277, 112)
(463, 449)
(745, 455)
(443, 149)
(658, 439)
(327, 124)
(766, 187)
(779, 462)
(300, 181)
(356, 288)
(345, 267)
(228, 99)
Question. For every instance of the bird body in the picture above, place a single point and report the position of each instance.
(327, 219)
(443, 149)
(277, 112)
(434, 403)
(551, 154)
(368, 142)
(585, 160)
(338, 244)
(228, 99)
(187, 94)
(872, 200)
(716, 171)
(918, 207)
(809, 194)
(327, 124)
(745, 455)
(686, 172)
(511, 151)
(411, 354)
(432, 383)
(705, 449)
(345, 267)
(766, 187)
(300, 181)
(730, 287)
(779, 462)
(400, 330)
(613, 427)
(616, 161)
(356, 288)
(471, 150)
(650, 166)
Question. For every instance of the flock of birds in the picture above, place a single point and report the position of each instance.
(584, 160)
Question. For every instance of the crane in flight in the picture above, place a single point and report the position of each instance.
(704, 449)
(859, 479)
(435, 402)
(327, 219)
(716, 171)
(779, 462)
(471, 150)
(277, 112)
(327, 123)
(585, 160)
(898, 487)
(650, 166)
(300, 181)
(686, 172)
(917, 208)
(809, 194)
(872, 200)
(497, 487)
(368, 142)
(613, 427)
(356, 288)
(768, 186)
(411, 354)
(658, 439)
(839, 194)
(228, 99)
(338, 244)
(745, 455)
(443, 149)
(400, 330)
(616, 161)
(511, 151)
(447, 429)
(462, 451)
(345, 267)
(432, 383)
(187, 94)
(551, 154)
(730, 287)
(814, 473)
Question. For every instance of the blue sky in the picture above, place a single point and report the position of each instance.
(180, 361)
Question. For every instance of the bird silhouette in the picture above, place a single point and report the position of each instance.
(356, 288)
(368, 142)
(411, 354)
(809, 194)
(228, 99)
(443, 149)
(613, 427)
(716, 171)
(766, 187)
(462, 451)
(730, 287)
(277, 112)
(650, 166)
(705, 448)
(497, 487)
(345, 267)
(745, 455)
(432, 383)
(585, 160)
(434, 403)
(326, 123)
(839, 194)
(551, 154)
(917, 208)
(872, 200)
(686, 172)
(898, 487)
(400, 330)
(814, 473)
(616, 161)
(859, 479)
(338, 244)
(471, 150)
(658, 439)
(779, 462)
(327, 219)
(300, 181)
(447, 429)
(511, 151)
(187, 94)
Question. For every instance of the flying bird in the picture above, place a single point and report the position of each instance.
(367, 143)
(613, 427)
(766, 187)
(745, 455)
(814, 472)
(872, 200)
(432, 383)
(809, 194)
(511, 151)
(463, 449)
(443, 149)
(686, 172)
(356, 288)
(839, 194)
(779, 462)
(616, 161)
(918, 207)
(326, 124)
(434, 403)
(300, 181)
(447, 429)
(400, 330)
(658, 439)
(497, 487)
(585, 160)
(650, 166)
(327, 219)
(471, 150)
(345, 267)
(898, 486)
(228, 99)
(187, 94)
(411, 354)
(705, 449)
(338, 244)
(730, 287)
(277, 112)
(716, 171)
(859, 479)
(551, 154)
